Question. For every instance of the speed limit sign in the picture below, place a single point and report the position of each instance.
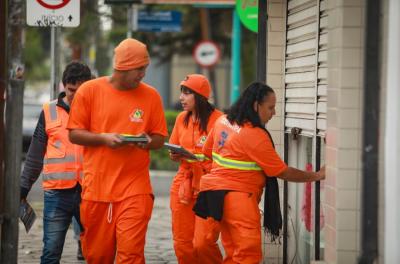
(206, 53)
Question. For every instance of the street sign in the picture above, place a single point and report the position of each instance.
(160, 21)
(248, 13)
(206, 53)
(53, 13)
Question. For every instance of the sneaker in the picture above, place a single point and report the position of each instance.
(79, 254)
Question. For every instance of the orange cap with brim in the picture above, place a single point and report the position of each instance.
(130, 54)
(198, 83)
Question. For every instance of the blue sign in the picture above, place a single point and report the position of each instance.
(160, 21)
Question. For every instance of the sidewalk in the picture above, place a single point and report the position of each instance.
(158, 249)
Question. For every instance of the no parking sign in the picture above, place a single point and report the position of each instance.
(53, 13)
(206, 53)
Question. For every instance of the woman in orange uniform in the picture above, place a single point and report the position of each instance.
(190, 132)
(243, 158)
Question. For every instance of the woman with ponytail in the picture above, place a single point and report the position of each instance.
(244, 161)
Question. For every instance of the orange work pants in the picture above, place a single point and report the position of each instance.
(184, 223)
(240, 229)
(115, 230)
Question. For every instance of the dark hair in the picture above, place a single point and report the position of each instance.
(76, 72)
(243, 109)
(202, 107)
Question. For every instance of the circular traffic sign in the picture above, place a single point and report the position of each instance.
(206, 53)
(52, 5)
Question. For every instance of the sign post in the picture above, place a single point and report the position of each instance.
(53, 14)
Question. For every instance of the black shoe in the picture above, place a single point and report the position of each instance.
(79, 254)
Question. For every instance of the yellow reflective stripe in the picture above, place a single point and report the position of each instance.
(200, 157)
(235, 164)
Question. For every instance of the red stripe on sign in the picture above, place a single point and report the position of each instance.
(50, 6)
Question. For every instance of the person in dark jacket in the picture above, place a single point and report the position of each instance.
(60, 162)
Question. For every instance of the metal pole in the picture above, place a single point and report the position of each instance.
(3, 84)
(206, 35)
(53, 92)
(317, 141)
(370, 144)
(129, 18)
(236, 60)
(55, 63)
(135, 17)
(286, 159)
(13, 136)
(262, 42)
(52, 61)
(285, 201)
(317, 199)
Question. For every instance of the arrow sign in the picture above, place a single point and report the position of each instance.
(206, 53)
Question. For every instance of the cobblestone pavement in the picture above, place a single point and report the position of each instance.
(158, 250)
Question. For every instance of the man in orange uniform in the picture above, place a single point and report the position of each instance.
(190, 131)
(117, 198)
(52, 154)
(243, 154)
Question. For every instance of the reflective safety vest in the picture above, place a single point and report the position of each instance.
(235, 164)
(62, 164)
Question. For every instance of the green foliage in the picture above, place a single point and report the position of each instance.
(160, 158)
(35, 55)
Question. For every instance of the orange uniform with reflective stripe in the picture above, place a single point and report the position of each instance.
(183, 217)
(242, 155)
(191, 139)
(115, 174)
(62, 164)
(247, 144)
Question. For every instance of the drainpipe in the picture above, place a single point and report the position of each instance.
(370, 148)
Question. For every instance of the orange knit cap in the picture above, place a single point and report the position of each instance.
(130, 54)
(198, 83)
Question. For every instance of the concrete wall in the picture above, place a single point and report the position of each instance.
(275, 74)
(343, 155)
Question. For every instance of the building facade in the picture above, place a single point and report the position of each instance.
(317, 54)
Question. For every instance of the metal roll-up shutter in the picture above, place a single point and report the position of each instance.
(305, 65)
